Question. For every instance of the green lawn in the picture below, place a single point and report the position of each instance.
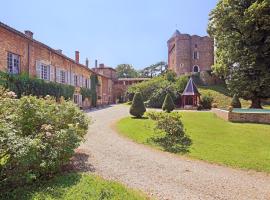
(221, 96)
(239, 145)
(75, 186)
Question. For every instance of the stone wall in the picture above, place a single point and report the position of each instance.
(263, 118)
(181, 48)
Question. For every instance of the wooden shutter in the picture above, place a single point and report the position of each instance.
(68, 77)
(38, 69)
(51, 73)
(58, 78)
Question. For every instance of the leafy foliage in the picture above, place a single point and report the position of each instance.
(94, 83)
(206, 101)
(137, 107)
(24, 85)
(154, 91)
(175, 139)
(241, 31)
(86, 93)
(37, 136)
(126, 71)
(236, 102)
(154, 70)
(168, 104)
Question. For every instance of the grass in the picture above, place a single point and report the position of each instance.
(220, 95)
(75, 186)
(239, 145)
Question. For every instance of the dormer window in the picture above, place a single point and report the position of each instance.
(196, 55)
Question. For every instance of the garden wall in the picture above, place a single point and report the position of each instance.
(243, 117)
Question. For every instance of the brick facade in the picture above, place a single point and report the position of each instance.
(187, 54)
(33, 54)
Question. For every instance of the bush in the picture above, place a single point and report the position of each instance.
(24, 85)
(214, 105)
(174, 138)
(206, 101)
(37, 137)
(137, 107)
(236, 102)
(168, 104)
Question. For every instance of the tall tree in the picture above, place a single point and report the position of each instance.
(126, 71)
(241, 29)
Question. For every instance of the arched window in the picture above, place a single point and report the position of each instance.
(196, 68)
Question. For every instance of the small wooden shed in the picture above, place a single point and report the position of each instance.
(191, 95)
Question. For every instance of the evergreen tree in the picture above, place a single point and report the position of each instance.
(236, 102)
(137, 108)
(168, 104)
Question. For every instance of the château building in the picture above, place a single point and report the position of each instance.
(188, 54)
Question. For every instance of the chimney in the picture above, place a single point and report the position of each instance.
(87, 62)
(101, 65)
(29, 34)
(77, 56)
(96, 63)
(59, 51)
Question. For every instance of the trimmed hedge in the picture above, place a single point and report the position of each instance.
(168, 104)
(25, 85)
(137, 107)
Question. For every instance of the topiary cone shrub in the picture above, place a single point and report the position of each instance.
(168, 104)
(137, 108)
(236, 102)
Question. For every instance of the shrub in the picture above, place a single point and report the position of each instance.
(137, 107)
(168, 104)
(170, 126)
(25, 85)
(214, 105)
(206, 101)
(37, 137)
(236, 102)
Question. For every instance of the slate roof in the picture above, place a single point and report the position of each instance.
(176, 33)
(190, 89)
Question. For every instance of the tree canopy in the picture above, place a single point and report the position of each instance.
(126, 71)
(241, 29)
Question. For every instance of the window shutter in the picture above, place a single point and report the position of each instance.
(89, 83)
(57, 75)
(83, 82)
(72, 79)
(52, 73)
(80, 81)
(38, 69)
(80, 100)
(66, 77)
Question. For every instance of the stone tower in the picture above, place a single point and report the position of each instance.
(187, 54)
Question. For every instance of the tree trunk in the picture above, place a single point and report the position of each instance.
(256, 103)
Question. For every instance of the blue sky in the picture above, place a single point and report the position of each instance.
(112, 31)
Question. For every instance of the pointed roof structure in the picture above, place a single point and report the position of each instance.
(176, 33)
(190, 89)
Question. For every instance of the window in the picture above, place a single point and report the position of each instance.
(13, 63)
(62, 76)
(76, 80)
(196, 46)
(45, 72)
(196, 69)
(196, 55)
(76, 98)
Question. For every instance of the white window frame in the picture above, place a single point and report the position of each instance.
(45, 72)
(13, 63)
(196, 55)
(63, 77)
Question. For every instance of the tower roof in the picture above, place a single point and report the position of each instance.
(176, 33)
(190, 89)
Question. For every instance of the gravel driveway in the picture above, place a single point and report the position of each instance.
(160, 174)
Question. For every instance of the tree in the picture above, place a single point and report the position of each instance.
(137, 107)
(168, 104)
(126, 71)
(154, 70)
(242, 38)
(236, 102)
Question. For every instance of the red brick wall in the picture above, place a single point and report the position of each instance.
(31, 51)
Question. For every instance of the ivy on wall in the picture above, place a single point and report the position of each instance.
(94, 84)
(25, 85)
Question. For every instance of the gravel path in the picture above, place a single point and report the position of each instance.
(160, 174)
